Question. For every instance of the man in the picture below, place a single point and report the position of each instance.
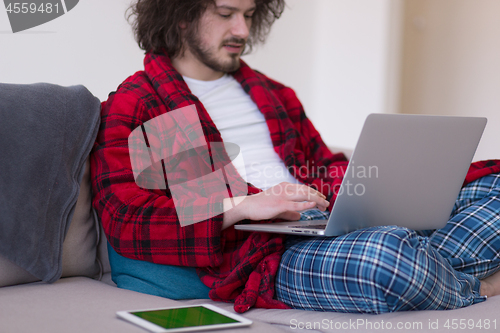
(193, 51)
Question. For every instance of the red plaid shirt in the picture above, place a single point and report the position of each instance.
(143, 224)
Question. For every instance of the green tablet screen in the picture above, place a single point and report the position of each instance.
(184, 317)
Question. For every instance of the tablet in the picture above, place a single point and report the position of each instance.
(184, 318)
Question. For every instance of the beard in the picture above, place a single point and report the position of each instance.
(207, 56)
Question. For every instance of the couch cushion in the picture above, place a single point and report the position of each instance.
(174, 282)
(80, 244)
(80, 305)
(102, 248)
(79, 247)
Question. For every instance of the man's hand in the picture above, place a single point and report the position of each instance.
(283, 201)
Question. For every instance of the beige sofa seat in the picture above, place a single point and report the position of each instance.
(79, 304)
(409, 321)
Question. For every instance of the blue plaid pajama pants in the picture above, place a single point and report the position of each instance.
(390, 268)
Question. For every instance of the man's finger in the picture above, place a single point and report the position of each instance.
(300, 206)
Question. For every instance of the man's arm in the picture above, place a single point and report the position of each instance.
(140, 223)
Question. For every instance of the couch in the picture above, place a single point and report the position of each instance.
(85, 299)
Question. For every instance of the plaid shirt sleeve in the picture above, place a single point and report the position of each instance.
(141, 223)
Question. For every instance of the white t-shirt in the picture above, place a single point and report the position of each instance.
(239, 121)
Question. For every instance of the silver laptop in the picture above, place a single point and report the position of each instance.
(406, 170)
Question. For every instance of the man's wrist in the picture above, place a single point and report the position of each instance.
(234, 210)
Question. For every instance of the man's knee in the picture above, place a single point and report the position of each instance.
(387, 239)
(389, 257)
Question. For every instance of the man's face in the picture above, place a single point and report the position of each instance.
(221, 34)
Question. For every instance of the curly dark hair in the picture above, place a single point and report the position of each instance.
(155, 23)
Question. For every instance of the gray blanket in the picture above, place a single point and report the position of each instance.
(46, 134)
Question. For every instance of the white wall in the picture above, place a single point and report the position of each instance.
(452, 63)
(90, 45)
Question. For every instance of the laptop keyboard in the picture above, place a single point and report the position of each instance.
(311, 226)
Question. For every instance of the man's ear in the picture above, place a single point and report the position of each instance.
(183, 25)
